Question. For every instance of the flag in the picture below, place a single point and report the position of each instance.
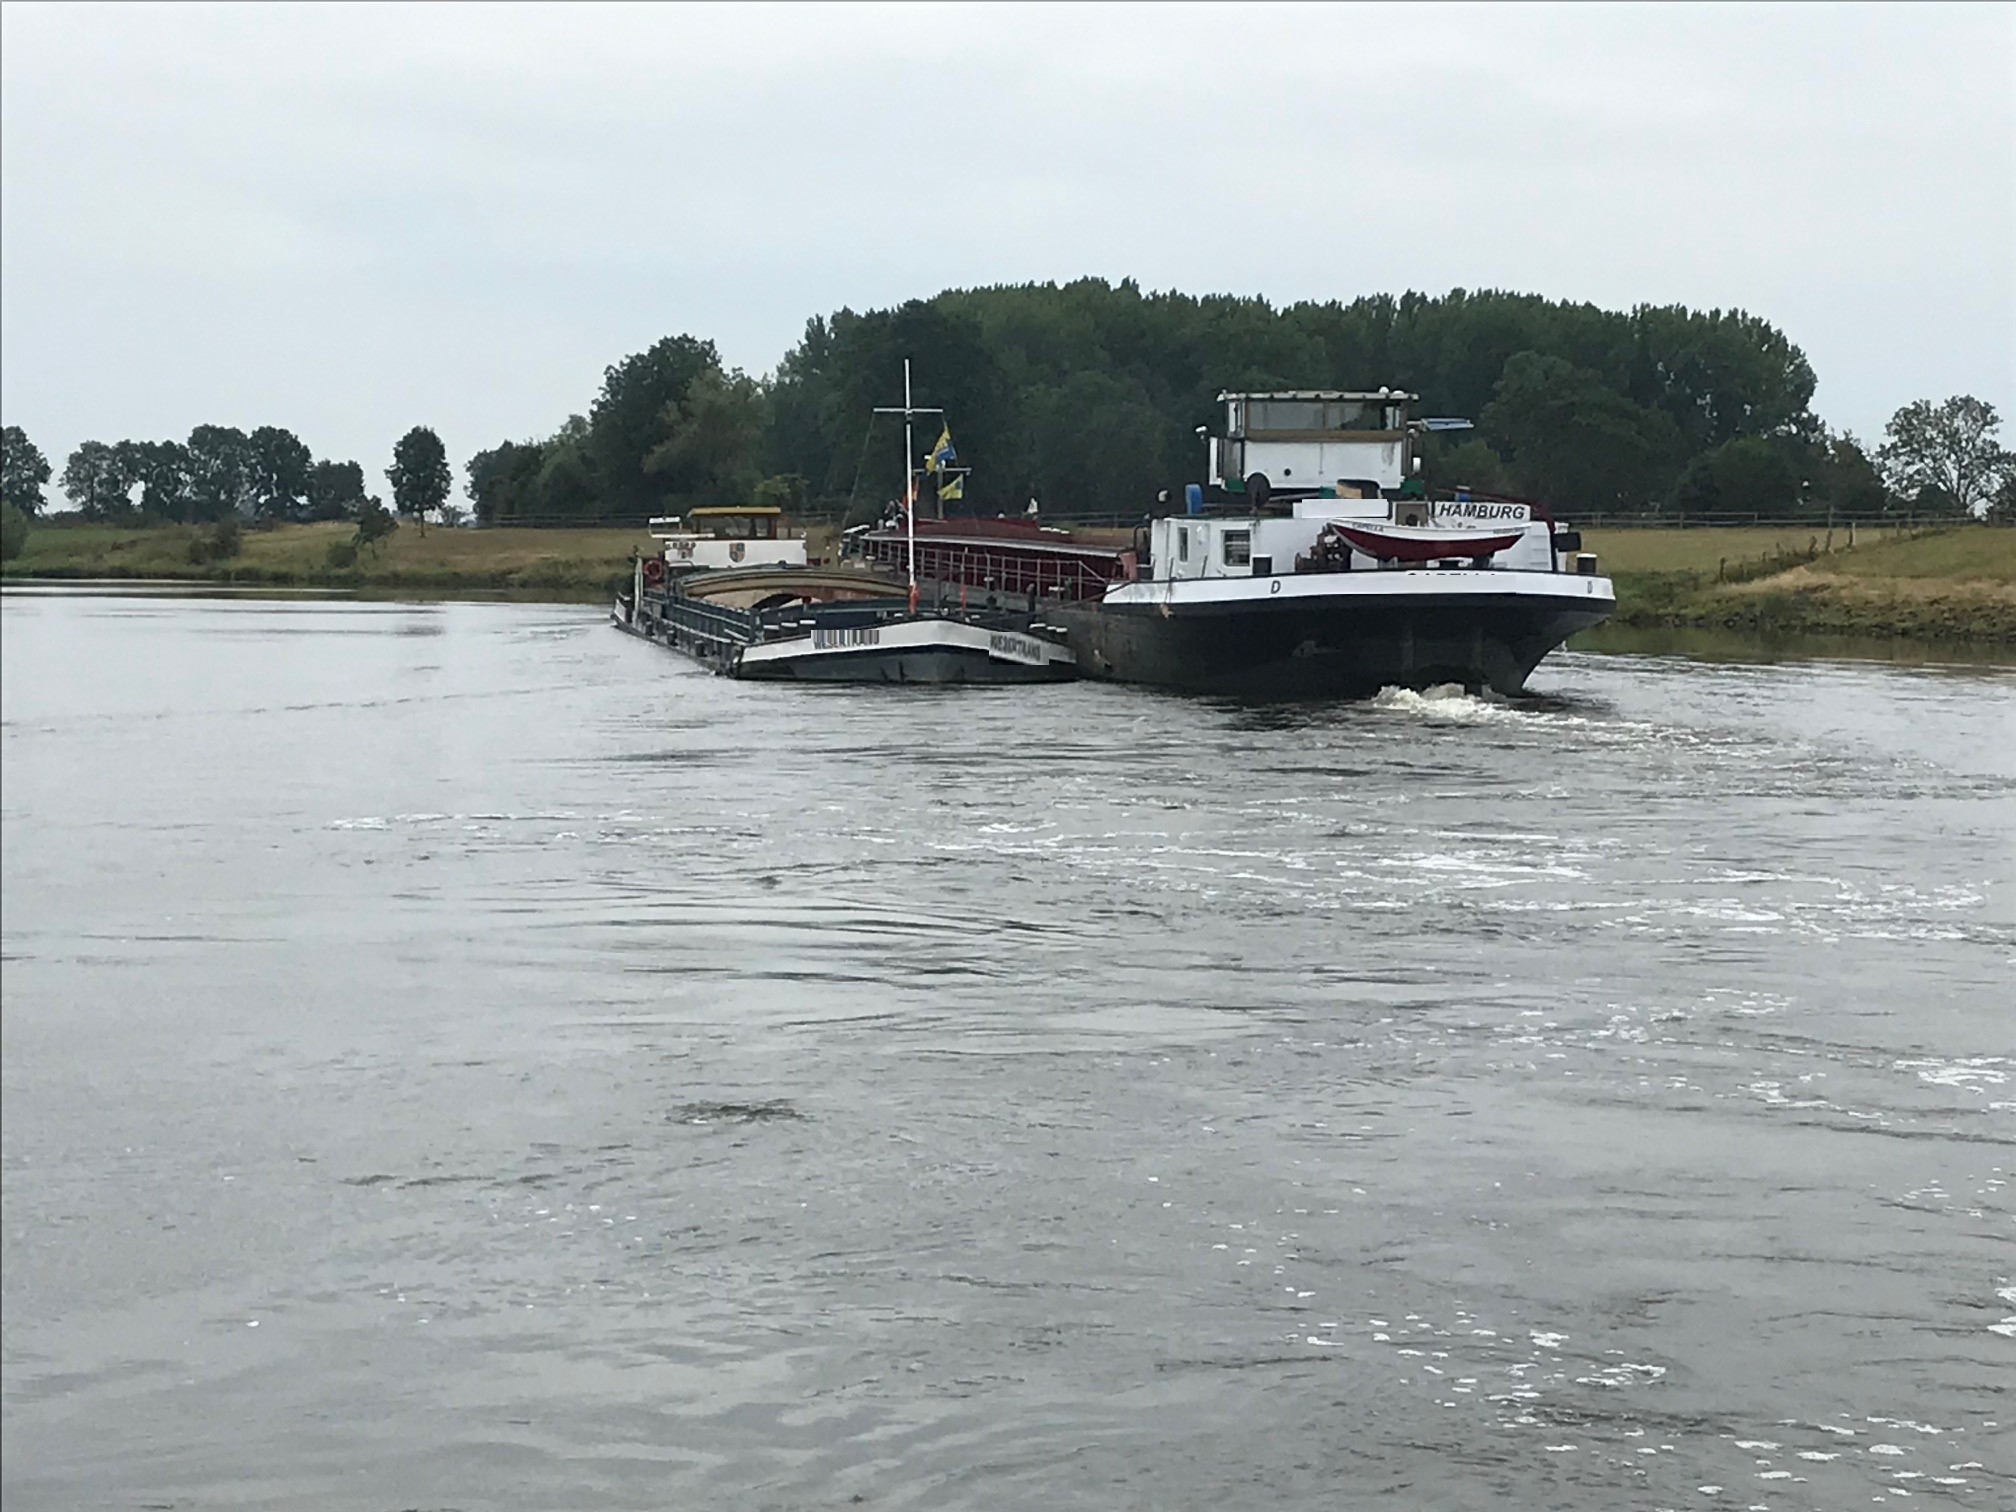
(941, 452)
(954, 487)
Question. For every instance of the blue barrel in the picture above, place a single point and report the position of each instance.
(1193, 497)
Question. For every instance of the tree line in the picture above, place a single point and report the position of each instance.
(1087, 397)
(222, 475)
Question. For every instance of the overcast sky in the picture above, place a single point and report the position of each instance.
(350, 220)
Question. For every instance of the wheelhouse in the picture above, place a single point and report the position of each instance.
(1314, 439)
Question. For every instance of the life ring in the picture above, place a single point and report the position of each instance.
(654, 571)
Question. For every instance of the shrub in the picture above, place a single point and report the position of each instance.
(13, 532)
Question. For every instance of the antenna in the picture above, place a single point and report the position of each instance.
(909, 474)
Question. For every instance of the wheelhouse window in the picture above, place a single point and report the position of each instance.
(1360, 415)
(1284, 415)
(1182, 543)
(1238, 548)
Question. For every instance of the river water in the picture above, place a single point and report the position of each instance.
(458, 1056)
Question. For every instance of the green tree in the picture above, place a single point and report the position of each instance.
(419, 474)
(1470, 463)
(2002, 508)
(1845, 484)
(374, 524)
(502, 480)
(162, 470)
(713, 436)
(1747, 476)
(13, 530)
(281, 468)
(335, 491)
(23, 471)
(629, 421)
(785, 491)
(222, 472)
(567, 485)
(1577, 443)
(1951, 448)
(95, 481)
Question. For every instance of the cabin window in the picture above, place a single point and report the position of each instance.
(1286, 415)
(1358, 415)
(1182, 543)
(1238, 548)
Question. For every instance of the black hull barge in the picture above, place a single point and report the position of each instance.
(1323, 642)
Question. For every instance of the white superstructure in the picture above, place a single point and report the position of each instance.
(736, 535)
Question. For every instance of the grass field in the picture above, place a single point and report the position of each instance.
(1958, 583)
(500, 558)
(1953, 584)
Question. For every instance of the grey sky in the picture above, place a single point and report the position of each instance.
(350, 220)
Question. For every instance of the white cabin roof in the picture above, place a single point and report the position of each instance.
(1391, 396)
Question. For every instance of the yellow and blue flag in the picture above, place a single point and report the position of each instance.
(953, 487)
(941, 452)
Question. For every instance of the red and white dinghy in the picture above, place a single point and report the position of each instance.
(1387, 542)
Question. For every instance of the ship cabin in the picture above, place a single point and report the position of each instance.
(729, 535)
(1324, 480)
(1308, 439)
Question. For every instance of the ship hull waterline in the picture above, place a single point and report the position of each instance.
(1330, 646)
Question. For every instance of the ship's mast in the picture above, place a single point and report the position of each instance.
(909, 474)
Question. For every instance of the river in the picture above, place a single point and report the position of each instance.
(458, 1056)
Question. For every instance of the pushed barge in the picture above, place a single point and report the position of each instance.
(785, 621)
(1312, 563)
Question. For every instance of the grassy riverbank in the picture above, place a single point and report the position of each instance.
(1954, 584)
(560, 560)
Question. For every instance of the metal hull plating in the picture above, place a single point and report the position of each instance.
(1343, 643)
(936, 665)
(862, 642)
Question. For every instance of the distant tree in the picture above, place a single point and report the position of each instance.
(568, 485)
(281, 468)
(1747, 476)
(629, 421)
(13, 530)
(712, 436)
(1950, 447)
(1576, 443)
(95, 480)
(374, 524)
(162, 471)
(785, 491)
(23, 471)
(419, 474)
(1469, 464)
(1845, 484)
(219, 543)
(501, 480)
(222, 473)
(2002, 509)
(335, 491)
